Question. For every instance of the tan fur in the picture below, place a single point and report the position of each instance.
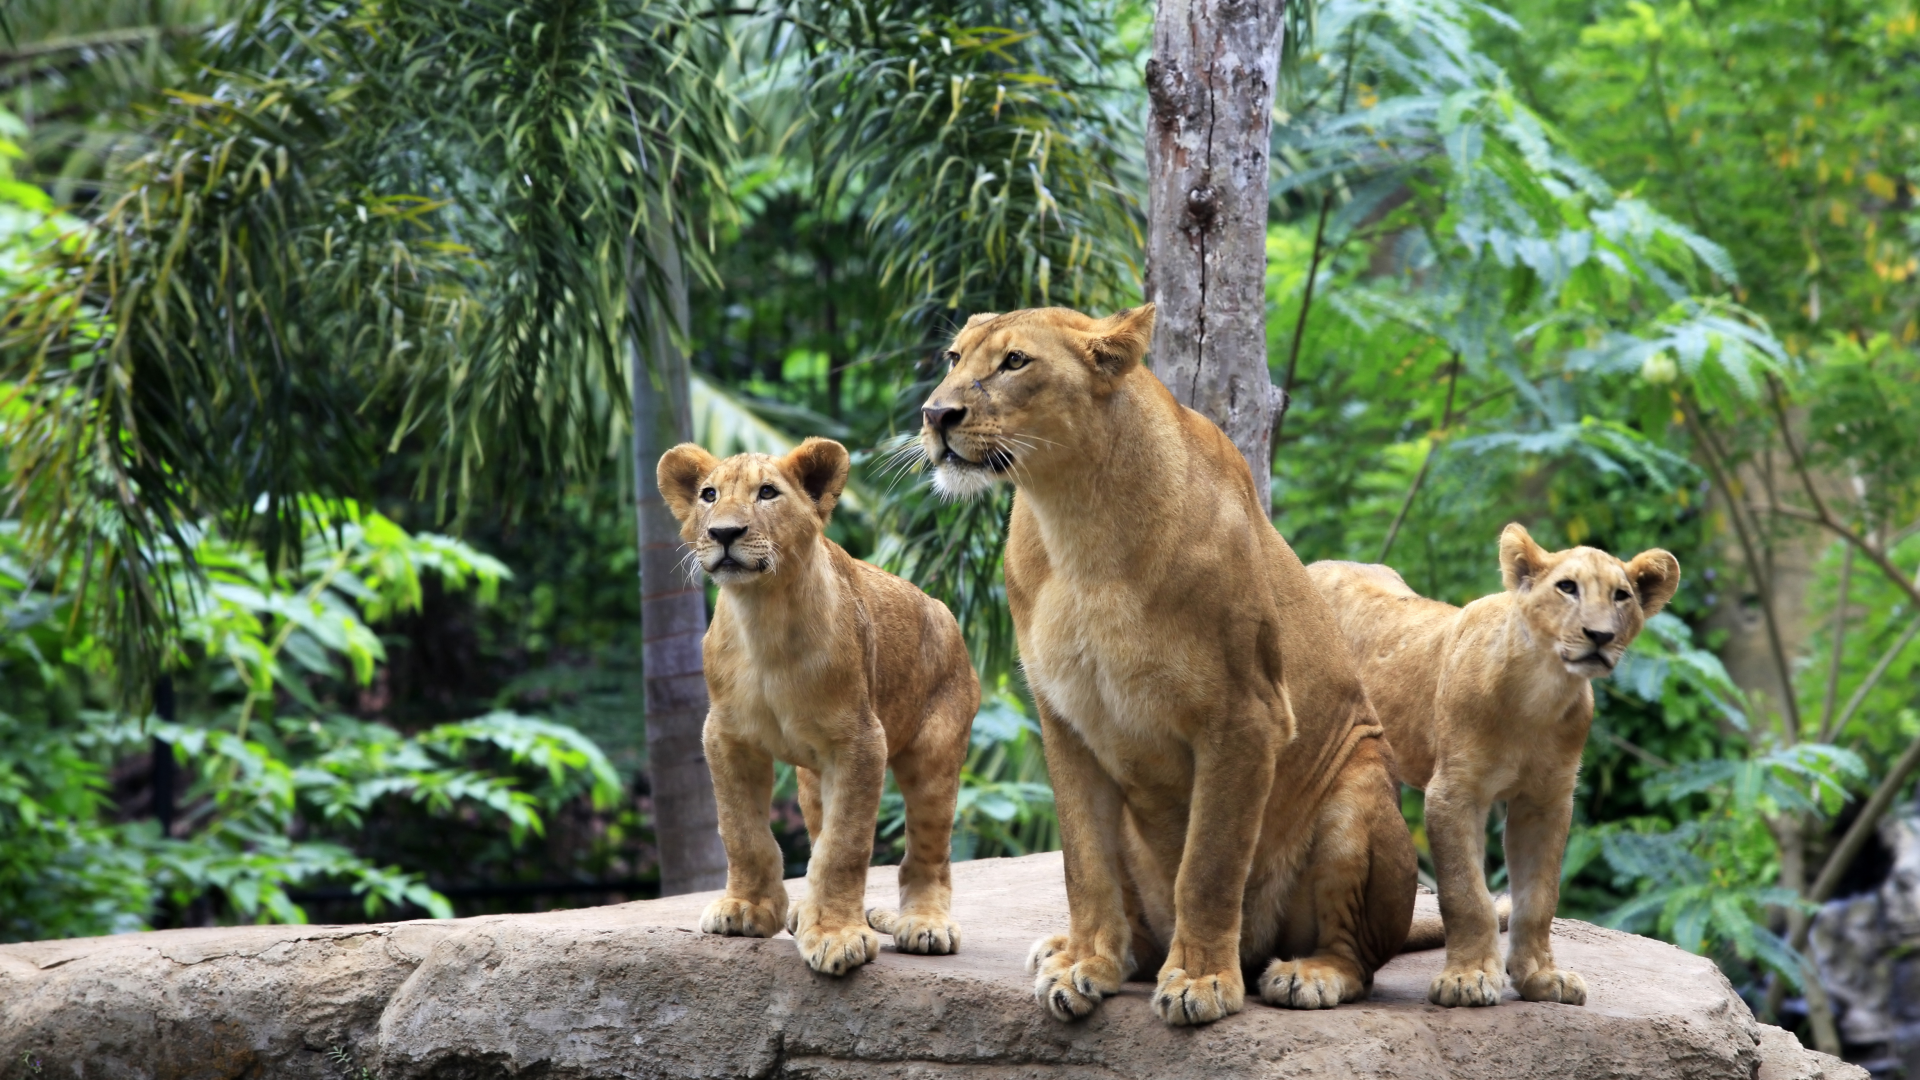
(1222, 788)
(833, 665)
(1492, 702)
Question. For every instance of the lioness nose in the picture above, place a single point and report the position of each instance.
(1598, 637)
(729, 533)
(940, 417)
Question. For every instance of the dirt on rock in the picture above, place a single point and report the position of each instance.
(634, 990)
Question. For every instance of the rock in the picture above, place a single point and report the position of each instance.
(633, 991)
(1867, 950)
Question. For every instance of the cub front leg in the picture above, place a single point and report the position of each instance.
(755, 903)
(1073, 971)
(1201, 981)
(1536, 843)
(1457, 829)
(830, 924)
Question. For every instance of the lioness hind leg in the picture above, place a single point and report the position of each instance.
(1360, 879)
(928, 772)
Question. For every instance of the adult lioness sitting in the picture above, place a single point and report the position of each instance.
(1490, 702)
(1221, 782)
(840, 668)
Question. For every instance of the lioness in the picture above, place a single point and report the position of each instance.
(839, 668)
(1490, 702)
(1221, 782)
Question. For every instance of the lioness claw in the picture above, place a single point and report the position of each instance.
(1474, 988)
(1181, 1000)
(1069, 989)
(1555, 985)
(735, 917)
(1302, 984)
(928, 935)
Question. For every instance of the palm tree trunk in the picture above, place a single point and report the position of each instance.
(1211, 83)
(673, 610)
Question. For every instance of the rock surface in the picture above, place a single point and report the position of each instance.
(634, 991)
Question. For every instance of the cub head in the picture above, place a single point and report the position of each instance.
(1586, 605)
(740, 515)
(1017, 388)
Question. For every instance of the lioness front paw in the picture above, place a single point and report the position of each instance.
(1070, 988)
(1182, 999)
(1553, 984)
(928, 934)
(1307, 984)
(1467, 986)
(831, 947)
(735, 917)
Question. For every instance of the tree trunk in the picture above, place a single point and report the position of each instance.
(673, 610)
(1211, 82)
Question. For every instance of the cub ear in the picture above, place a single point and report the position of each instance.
(819, 466)
(1655, 574)
(1521, 560)
(1121, 340)
(679, 475)
(979, 317)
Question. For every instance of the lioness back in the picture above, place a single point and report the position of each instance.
(1399, 640)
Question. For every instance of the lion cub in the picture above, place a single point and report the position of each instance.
(1491, 702)
(839, 668)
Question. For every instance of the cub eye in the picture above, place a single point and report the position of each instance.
(952, 359)
(1015, 361)
(1621, 596)
(768, 491)
(1567, 586)
(708, 495)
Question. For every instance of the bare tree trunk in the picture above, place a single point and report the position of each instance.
(673, 610)
(1211, 82)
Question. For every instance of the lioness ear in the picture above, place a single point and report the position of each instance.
(1655, 574)
(819, 466)
(979, 317)
(679, 475)
(1121, 340)
(1521, 560)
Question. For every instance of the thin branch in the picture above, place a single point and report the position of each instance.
(1828, 734)
(1839, 642)
(1698, 425)
(1434, 438)
(1863, 826)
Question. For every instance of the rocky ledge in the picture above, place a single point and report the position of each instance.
(635, 991)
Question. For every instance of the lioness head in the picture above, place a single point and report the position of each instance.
(1016, 390)
(739, 515)
(1585, 604)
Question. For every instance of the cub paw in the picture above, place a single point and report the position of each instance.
(735, 917)
(1553, 984)
(828, 947)
(1180, 999)
(929, 935)
(1306, 984)
(1068, 988)
(1470, 986)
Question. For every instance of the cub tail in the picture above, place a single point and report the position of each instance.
(1428, 932)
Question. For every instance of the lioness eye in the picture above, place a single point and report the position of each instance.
(708, 494)
(1620, 596)
(1568, 587)
(768, 491)
(952, 359)
(1015, 361)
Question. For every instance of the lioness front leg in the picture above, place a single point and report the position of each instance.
(830, 924)
(1536, 843)
(928, 773)
(755, 903)
(1457, 829)
(1233, 772)
(1073, 971)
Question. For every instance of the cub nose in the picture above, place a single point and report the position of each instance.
(1598, 637)
(729, 533)
(940, 417)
